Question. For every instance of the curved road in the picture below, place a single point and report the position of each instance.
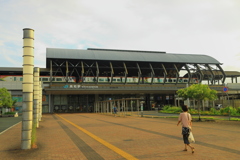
(7, 122)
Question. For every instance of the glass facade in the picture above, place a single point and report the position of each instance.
(73, 103)
(85, 103)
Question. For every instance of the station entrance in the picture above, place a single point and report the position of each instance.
(73, 103)
(86, 103)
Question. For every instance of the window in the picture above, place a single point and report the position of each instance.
(58, 79)
(101, 80)
(44, 79)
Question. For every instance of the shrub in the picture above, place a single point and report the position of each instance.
(238, 110)
(235, 119)
(214, 111)
(227, 110)
(193, 111)
(9, 113)
(165, 108)
(175, 109)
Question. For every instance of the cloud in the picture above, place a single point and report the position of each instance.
(186, 26)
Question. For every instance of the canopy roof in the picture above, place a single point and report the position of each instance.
(128, 55)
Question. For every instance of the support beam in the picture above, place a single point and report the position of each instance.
(224, 75)
(189, 73)
(177, 73)
(152, 73)
(164, 73)
(82, 73)
(67, 71)
(139, 73)
(112, 72)
(126, 72)
(213, 76)
(200, 72)
(97, 71)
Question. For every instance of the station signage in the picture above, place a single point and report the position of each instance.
(79, 87)
(225, 89)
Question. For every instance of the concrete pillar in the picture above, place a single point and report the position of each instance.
(27, 85)
(36, 97)
(118, 107)
(50, 104)
(40, 100)
(111, 107)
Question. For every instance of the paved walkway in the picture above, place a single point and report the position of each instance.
(97, 136)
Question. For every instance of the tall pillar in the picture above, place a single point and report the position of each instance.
(36, 97)
(27, 85)
(40, 100)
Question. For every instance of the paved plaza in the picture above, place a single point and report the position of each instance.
(98, 136)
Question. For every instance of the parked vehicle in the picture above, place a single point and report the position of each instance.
(218, 106)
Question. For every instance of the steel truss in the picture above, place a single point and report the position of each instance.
(82, 68)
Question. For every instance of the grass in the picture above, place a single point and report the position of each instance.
(34, 135)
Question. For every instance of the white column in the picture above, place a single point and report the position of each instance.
(27, 85)
(36, 97)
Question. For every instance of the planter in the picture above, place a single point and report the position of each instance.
(8, 115)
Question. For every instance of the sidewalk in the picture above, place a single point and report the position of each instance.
(141, 138)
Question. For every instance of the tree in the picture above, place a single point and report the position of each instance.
(5, 98)
(198, 92)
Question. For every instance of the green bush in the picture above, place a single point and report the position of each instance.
(165, 108)
(169, 109)
(175, 109)
(238, 110)
(193, 111)
(214, 111)
(227, 110)
(9, 112)
(235, 119)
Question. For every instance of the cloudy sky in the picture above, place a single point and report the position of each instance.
(210, 27)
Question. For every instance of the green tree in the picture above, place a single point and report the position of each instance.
(198, 92)
(5, 98)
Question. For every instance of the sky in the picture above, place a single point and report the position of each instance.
(209, 27)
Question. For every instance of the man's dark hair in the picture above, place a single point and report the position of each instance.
(184, 108)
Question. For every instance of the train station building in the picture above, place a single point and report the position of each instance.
(74, 80)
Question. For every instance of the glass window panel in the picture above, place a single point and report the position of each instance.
(57, 99)
(64, 99)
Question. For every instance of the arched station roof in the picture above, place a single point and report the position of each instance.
(128, 55)
(130, 63)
